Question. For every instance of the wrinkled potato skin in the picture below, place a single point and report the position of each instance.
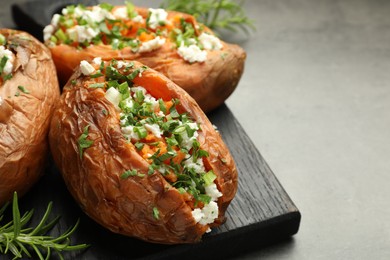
(125, 206)
(210, 83)
(25, 119)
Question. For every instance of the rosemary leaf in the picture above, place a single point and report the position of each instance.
(22, 242)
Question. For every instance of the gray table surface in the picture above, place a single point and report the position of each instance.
(315, 99)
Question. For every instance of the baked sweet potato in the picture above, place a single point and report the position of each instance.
(172, 43)
(28, 91)
(139, 155)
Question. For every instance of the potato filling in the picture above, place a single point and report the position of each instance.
(123, 27)
(162, 134)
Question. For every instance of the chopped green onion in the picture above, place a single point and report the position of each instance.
(3, 61)
(96, 85)
(3, 40)
(129, 173)
(60, 34)
(209, 178)
(141, 131)
(156, 213)
(23, 90)
(139, 146)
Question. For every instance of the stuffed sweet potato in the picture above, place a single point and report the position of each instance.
(139, 155)
(170, 42)
(28, 91)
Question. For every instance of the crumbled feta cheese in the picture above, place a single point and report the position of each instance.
(9, 65)
(210, 212)
(97, 60)
(96, 15)
(81, 33)
(160, 114)
(154, 129)
(210, 42)
(162, 169)
(151, 100)
(55, 19)
(157, 17)
(128, 103)
(79, 11)
(213, 192)
(138, 19)
(152, 44)
(86, 68)
(113, 95)
(48, 32)
(207, 214)
(139, 88)
(197, 166)
(192, 53)
(128, 132)
(120, 12)
(122, 64)
(197, 214)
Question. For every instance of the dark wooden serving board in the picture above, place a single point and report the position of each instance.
(261, 213)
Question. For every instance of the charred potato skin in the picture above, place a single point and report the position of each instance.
(25, 117)
(210, 83)
(125, 206)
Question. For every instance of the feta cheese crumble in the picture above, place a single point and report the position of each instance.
(120, 12)
(154, 129)
(138, 19)
(207, 214)
(152, 44)
(157, 17)
(9, 65)
(192, 53)
(210, 42)
(129, 133)
(81, 33)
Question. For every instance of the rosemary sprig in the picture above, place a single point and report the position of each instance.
(216, 14)
(23, 241)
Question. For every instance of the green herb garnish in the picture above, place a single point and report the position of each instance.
(3, 40)
(216, 14)
(23, 89)
(31, 242)
(96, 85)
(129, 173)
(3, 61)
(83, 142)
(156, 213)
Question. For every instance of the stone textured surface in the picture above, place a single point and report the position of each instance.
(315, 99)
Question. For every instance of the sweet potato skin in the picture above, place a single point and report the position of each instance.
(210, 83)
(25, 117)
(125, 206)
